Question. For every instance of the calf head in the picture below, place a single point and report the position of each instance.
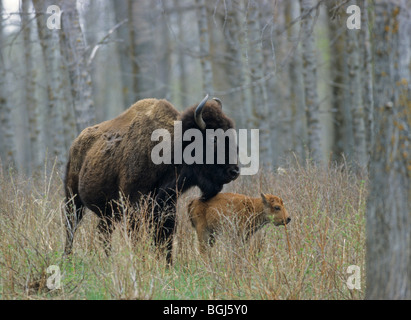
(274, 209)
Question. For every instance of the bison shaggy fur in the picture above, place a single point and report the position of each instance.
(114, 157)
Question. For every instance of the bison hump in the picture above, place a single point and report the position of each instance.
(116, 153)
(158, 113)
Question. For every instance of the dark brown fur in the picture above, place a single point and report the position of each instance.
(113, 157)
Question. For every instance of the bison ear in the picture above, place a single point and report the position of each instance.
(198, 114)
(219, 102)
(265, 202)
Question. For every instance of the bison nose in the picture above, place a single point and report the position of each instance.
(233, 172)
(288, 220)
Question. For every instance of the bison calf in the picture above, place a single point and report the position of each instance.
(251, 214)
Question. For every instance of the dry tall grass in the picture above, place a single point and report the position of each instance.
(306, 260)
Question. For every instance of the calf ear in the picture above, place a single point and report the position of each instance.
(265, 202)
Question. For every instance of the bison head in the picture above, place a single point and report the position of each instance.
(218, 167)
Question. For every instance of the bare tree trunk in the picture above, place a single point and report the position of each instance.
(295, 69)
(354, 82)
(7, 144)
(258, 88)
(279, 113)
(368, 76)
(204, 37)
(79, 70)
(310, 81)
(50, 46)
(128, 50)
(69, 114)
(181, 60)
(136, 50)
(33, 114)
(343, 131)
(162, 49)
(234, 64)
(242, 34)
(143, 52)
(389, 203)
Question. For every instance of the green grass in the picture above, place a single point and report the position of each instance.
(308, 260)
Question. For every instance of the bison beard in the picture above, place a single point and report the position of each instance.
(113, 158)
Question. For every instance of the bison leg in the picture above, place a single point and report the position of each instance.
(163, 237)
(105, 228)
(74, 212)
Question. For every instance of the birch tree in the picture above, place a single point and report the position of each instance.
(297, 86)
(338, 75)
(162, 48)
(310, 80)
(79, 70)
(204, 38)
(143, 53)
(389, 202)
(126, 48)
(8, 156)
(29, 89)
(143, 49)
(258, 88)
(49, 42)
(234, 64)
(271, 19)
(355, 101)
(368, 97)
(181, 60)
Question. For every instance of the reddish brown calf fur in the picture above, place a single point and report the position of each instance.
(250, 213)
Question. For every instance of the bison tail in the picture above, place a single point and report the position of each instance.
(190, 208)
(67, 171)
(66, 178)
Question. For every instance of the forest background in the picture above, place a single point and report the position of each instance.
(323, 81)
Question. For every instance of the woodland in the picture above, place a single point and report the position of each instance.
(326, 82)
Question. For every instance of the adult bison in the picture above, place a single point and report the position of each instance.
(114, 157)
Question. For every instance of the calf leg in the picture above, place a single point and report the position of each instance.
(205, 238)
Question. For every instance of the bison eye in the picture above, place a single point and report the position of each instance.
(278, 208)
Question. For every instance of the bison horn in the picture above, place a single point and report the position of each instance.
(198, 114)
(219, 102)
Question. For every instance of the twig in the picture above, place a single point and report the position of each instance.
(334, 10)
(288, 240)
(102, 41)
